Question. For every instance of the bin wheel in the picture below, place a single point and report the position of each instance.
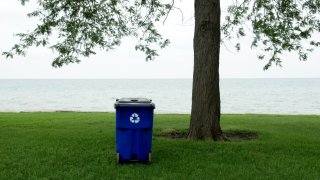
(149, 157)
(118, 158)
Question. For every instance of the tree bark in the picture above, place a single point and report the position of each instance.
(205, 112)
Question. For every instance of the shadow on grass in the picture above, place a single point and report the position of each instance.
(232, 135)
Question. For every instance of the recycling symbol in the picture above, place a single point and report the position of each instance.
(134, 118)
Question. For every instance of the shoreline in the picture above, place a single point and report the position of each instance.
(160, 113)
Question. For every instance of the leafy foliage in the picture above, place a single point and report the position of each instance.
(83, 25)
(276, 26)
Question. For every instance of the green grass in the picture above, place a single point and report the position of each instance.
(82, 146)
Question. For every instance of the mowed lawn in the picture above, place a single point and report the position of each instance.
(82, 146)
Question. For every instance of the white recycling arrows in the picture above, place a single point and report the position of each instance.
(134, 118)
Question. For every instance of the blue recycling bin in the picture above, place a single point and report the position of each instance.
(134, 122)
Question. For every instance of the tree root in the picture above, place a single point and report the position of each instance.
(221, 137)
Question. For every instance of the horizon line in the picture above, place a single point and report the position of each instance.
(155, 78)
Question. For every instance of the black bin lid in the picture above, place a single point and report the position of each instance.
(134, 102)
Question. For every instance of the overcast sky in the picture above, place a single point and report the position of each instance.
(176, 61)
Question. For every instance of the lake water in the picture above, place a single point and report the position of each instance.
(267, 96)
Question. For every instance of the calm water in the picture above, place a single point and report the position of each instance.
(269, 96)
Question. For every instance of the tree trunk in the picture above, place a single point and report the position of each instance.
(205, 113)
